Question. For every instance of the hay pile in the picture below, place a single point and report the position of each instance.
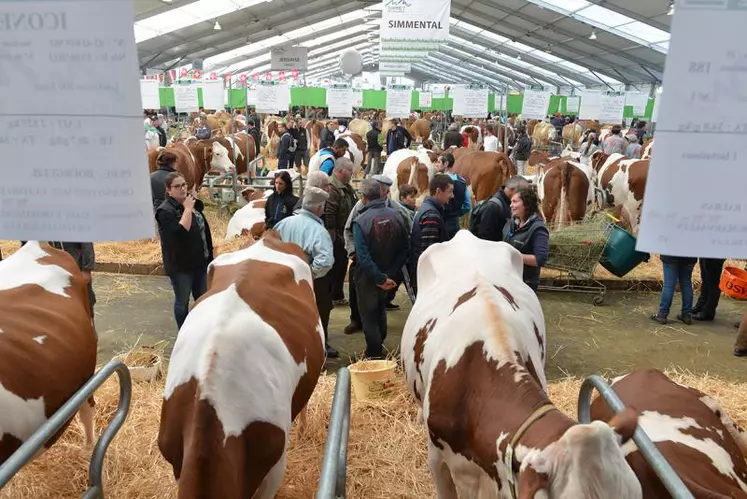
(577, 246)
(387, 455)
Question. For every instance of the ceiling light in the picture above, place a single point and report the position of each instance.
(217, 27)
(593, 35)
(518, 56)
(167, 1)
(671, 9)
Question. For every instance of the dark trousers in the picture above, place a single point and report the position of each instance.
(399, 278)
(284, 163)
(339, 269)
(372, 307)
(301, 157)
(192, 282)
(710, 273)
(323, 302)
(355, 315)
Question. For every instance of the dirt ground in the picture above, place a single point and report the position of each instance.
(582, 339)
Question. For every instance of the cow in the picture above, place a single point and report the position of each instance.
(482, 392)
(507, 135)
(531, 124)
(697, 438)
(563, 188)
(572, 134)
(648, 148)
(47, 343)
(474, 137)
(249, 220)
(186, 163)
(222, 155)
(243, 367)
(314, 128)
(406, 166)
(420, 130)
(622, 183)
(359, 127)
(544, 133)
(484, 171)
(272, 133)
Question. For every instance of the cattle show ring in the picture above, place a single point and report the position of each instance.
(491, 386)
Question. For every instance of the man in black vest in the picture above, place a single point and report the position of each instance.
(492, 214)
(302, 148)
(381, 249)
(252, 129)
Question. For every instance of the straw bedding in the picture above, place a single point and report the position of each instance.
(387, 451)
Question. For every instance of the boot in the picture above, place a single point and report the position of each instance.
(660, 318)
(740, 346)
(352, 328)
(686, 318)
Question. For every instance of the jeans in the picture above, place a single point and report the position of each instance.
(338, 270)
(284, 163)
(674, 273)
(184, 283)
(355, 315)
(372, 307)
(710, 273)
(301, 157)
(323, 302)
(373, 167)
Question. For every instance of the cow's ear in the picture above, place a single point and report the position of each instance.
(624, 423)
(533, 484)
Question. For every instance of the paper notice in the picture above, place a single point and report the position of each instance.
(186, 99)
(695, 204)
(340, 102)
(212, 94)
(535, 104)
(71, 123)
(149, 94)
(572, 104)
(398, 102)
(425, 99)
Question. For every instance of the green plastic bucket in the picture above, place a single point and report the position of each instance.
(619, 256)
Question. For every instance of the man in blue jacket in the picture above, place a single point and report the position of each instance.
(330, 154)
(381, 248)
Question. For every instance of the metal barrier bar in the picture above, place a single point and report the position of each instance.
(650, 453)
(334, 464)
(36, 441)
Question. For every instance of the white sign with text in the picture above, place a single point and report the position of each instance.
(398, 102)
(535, 104)
(212, 94)
(149, 94)
(186, 99)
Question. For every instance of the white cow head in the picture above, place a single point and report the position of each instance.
(221, 159)
(587, 461)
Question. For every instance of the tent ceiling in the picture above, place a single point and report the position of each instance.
(551, 37)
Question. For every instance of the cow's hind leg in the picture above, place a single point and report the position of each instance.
(445, 488)
(272, 482)
(86, 419)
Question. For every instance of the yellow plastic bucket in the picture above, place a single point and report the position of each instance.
(372, 379)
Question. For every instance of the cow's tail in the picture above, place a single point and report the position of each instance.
(566, 176)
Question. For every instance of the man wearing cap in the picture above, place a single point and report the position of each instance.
(315, 179)
(374, 150)
(385, 184)
(307, 231)
(381, 248)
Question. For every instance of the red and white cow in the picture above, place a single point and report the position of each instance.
(623, 184)
(699, 440)
(406, 166)
(243, 367)
(249, 220)
(47, 342)
(473, 351)
(565, 191)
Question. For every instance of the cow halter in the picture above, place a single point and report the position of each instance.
(508, 456)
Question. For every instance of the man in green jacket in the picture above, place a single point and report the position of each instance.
(342, 198)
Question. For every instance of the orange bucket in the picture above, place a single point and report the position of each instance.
(734, 283)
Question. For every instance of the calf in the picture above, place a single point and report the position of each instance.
(701, 443)
(473, 352)
(47, 342)
(243, 367)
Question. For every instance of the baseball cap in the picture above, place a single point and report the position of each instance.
(383, 179)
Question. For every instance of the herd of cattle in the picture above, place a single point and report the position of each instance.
(245, 364)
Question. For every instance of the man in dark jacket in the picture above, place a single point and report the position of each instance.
(302, 148)
(397, 138)
(521, 151)
(452, 138)
(496, 211)
(163, 139)
(461, 203)
(429, 226)
(254, 132)
(341, 200)
(381, 250)
(374, 150)
(286, 147)
(327, 135)
(165, 161)
(85, 256)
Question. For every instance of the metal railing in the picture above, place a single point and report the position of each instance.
(335, 463)
(650, 453)
(69, 409)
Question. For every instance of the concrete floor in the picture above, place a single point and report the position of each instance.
(582, 339)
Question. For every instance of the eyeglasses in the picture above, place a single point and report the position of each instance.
(179, 186)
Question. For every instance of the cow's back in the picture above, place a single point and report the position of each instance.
(703, 445)
(47, 341)
(244, 365)
(485, 171)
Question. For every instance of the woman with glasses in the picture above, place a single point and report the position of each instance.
(186, 244)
